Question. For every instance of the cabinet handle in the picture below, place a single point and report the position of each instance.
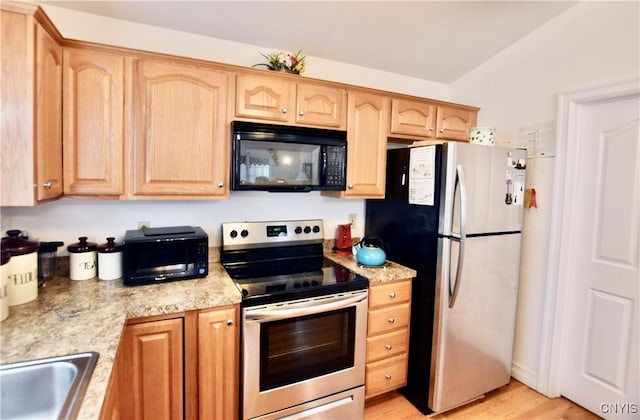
(350, 186)
(388, 346)
(391, 320)
(220, 184)
(387, 376)
(47, 185)
(392, 295)
(430, 128)
(285, 110)
(301, 113)
(442, 130)
(229, 322)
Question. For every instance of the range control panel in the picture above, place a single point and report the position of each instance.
(275, 233)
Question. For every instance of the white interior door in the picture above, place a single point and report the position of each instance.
(599, 259)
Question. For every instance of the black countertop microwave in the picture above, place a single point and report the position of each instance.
(281, 158)
(155, 255)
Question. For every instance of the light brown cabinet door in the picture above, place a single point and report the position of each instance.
(367, 129)
(412, 118)
(48, 102)
(93, 122)
(218, 358)
(264, 98)
(454, 123)
(320, 105)
(180, 138)
(151, 378)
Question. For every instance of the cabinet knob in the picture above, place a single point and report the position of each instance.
(285, 110)
(47, 185)
(220, 184)
(430, 128)
(387, 376)
(229, 322)
(392, 295)
(301, 113)
(388, 346)
(442, 130)
(391, 320)
(350, 186)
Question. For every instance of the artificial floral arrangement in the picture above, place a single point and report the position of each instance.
(282, 60)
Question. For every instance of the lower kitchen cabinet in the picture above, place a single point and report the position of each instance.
(218, 353)
(182, 365)
(387, 336)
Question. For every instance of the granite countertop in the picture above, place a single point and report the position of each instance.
(80, 316)
(388, 272)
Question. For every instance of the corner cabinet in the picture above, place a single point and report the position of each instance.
(387, 337)
(279, 99)
(93, 136)
(431, 120)
(31, 101)
(367, 130)
(182, 365)
(180, 132)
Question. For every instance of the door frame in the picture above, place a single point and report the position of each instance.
(570, 105)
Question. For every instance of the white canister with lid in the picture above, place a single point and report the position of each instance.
(83, 259)
(110, 260)
(5, 256)
(23, 268)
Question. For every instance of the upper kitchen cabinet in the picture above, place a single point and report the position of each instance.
(180, 132)
(367, 130)
(431, 120)
(31, 100)
(281, 99)
(93, 113)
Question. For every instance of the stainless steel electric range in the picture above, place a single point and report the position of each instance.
(304, 322)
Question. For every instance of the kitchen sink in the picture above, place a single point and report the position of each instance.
(45, 388)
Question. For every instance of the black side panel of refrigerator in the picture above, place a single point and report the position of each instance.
(410, 236)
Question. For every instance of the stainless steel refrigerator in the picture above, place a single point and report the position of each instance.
(453, 212)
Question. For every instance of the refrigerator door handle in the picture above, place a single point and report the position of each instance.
(460, 183)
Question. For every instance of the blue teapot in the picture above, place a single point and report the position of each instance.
(369, 251)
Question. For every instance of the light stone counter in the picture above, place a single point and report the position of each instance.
(390, 271)
(79, 316)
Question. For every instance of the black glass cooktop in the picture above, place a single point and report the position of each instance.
(331, 278)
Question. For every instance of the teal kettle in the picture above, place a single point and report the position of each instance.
(369, 251)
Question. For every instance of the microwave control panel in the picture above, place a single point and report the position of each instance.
(336, 171)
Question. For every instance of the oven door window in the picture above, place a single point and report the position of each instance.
(296, 349)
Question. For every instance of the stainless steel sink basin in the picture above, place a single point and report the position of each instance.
(45, 388)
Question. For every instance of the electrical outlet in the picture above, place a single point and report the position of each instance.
(142, 225)
(352, 220)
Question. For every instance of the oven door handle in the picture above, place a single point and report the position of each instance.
(303, 308)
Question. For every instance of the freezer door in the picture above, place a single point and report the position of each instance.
(480, 177)
(473, 337)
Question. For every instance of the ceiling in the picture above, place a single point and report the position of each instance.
(438, 41)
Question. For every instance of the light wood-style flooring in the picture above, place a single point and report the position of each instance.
(514, 401)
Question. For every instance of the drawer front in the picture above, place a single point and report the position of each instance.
(385, 375)
(387, 319)
(387, 345)
(389, 293)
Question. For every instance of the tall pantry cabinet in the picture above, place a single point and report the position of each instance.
(31, 98)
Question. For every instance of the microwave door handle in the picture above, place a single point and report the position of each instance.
(323, 165)
(311, 307)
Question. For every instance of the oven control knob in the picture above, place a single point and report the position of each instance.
(305, 284)
(244, 233)
(298, 230)
(316, 229)
(233, 233)
(315, 283)
(307, 229)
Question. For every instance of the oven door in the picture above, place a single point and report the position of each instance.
(299, 351)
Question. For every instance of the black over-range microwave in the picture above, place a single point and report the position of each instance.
(280, 158)
(154, 255)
